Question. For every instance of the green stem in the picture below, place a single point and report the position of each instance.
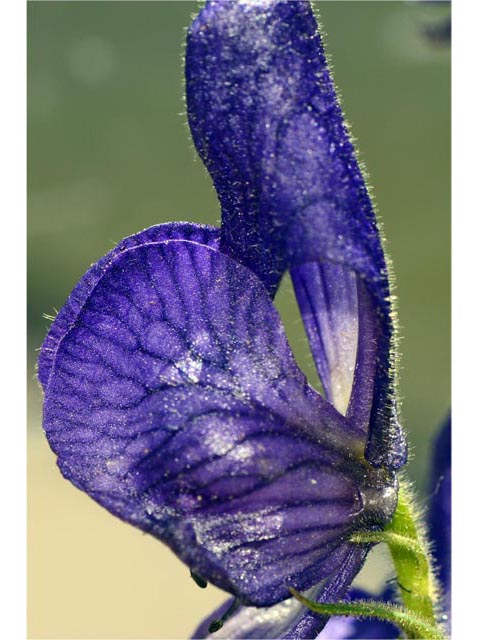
(408, 547)
(414, 626)
(412, 559)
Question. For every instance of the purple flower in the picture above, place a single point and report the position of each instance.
(171, 394)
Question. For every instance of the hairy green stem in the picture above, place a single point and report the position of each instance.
(408, 545)
(414, 626)
(411, 556)
(418, 589)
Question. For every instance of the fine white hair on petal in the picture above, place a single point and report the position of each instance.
(255, 3)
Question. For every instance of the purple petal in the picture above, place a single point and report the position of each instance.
(353, 629)
(266, 121)
(65, 319)
(327, 297)
(290, 621)
(345, 628)
(253, 622)
(311, 625)
(352, 348)
(440, 512)
(176, 403)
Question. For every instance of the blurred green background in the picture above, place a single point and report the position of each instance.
(109, 153)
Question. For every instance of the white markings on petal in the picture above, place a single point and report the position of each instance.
(243, 452)
(342, 351)
(219, 442)
(248, 527)
(191, 366)
(255, 3)
(327, 296)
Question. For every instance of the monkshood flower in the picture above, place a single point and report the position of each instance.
(282, 620)
(172, 396)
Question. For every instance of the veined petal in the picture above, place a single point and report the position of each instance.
(267, 123)
(203, 234)
(176, 403)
